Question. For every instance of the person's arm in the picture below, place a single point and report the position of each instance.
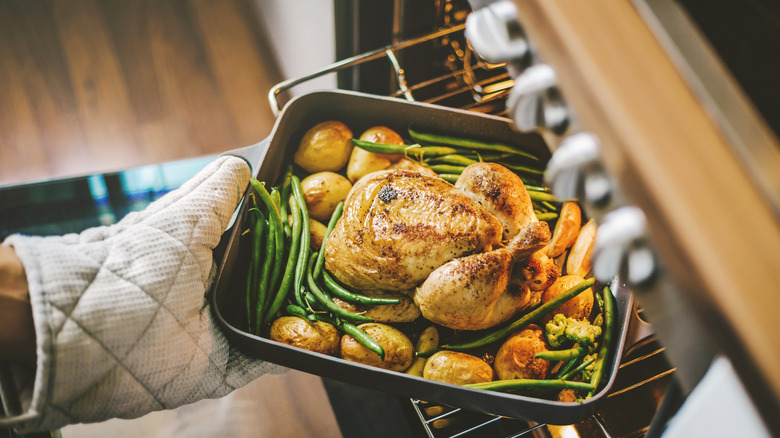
(17, 334)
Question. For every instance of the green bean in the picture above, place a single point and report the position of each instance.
(298, 311)
(413, 150)
(447, 168)
(569, 365)
(265, 275)
(542, 196)
(347, 295)
(292, 259)
(582, 366)
(520, 384)
(492, 158)
(523, 321)
(531, 188)
(458, 160)
(571, 353)
(523, 169)
(547, 216)
(258, 229)
(549, 206)
(326, 301)
(303, 251)
(331, 225)
(286, 199)
(606, 338)
(467, 143)
(275, 219)
(359, 335)
(449, 177)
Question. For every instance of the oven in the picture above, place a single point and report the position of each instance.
(658, 124)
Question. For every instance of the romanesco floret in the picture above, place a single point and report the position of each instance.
(562, 328)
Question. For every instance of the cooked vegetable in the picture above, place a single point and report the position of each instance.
(285, 200)
(326, 146)
(606, 340)
(319, 336)
(561, 329)
(523, 321)
(398, 349)
(323, 191)
(324, 299)
(566, 229)
(331, 224)
(516, 359)
(458, 368)
(403, 311)
(578, 307)
(586, 368)
(570, 353)
(303, 250)
(412, 151)
(530, 384)
(581, 253)
(343, 293)
(292, 260)
(257, 228)
(363, 162)
(317, 231)
(466, 143)
(429, 339)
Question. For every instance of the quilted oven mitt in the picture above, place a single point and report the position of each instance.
(121, 313)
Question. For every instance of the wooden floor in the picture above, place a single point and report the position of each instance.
(93, 86)
(99, 85)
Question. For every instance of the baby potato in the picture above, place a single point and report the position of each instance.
(324, 147)
(458, 368)
(581, 254)
(322, 192)
(317, 231)
(363, 162)
(399, 350)
(515, 359)
(578, 307)
(319, 336)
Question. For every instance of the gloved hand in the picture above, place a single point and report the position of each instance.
(121, 313)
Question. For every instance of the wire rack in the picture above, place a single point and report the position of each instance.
(463, 80)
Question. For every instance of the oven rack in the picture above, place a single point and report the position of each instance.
(467, 82)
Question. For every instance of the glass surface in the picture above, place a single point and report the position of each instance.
(72, 205)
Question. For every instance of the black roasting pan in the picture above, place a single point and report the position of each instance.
(360, 111)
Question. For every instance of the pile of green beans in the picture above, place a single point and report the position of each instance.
(272, 276)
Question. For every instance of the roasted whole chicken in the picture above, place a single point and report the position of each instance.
(466, 248)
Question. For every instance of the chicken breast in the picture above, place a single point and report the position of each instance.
(501, 192)
(399, 226)
(473, 292)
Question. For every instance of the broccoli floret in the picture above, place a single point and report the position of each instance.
(587, 372)
(581, 331)
(555, 329)
(561, 329)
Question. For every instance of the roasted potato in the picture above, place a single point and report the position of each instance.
(566, 229)
(322, 192)
(578, 307)
(324, 147)
(404, 311)
(515, 359)
(580, 257)
(363, 162)
(399, 350)
(458, 368)
(320, 336)
(317, 231)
